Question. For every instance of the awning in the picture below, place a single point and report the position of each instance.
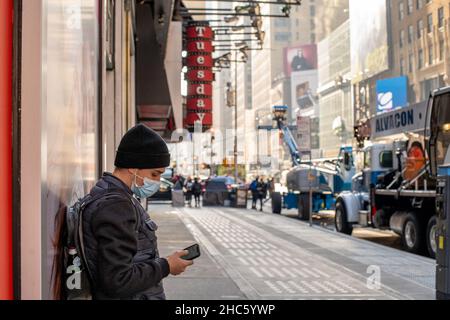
(158, 66)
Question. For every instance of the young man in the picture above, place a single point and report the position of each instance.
(119, 236)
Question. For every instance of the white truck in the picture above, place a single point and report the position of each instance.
(396, 189)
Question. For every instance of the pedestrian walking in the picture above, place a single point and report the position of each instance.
(197, 191)
(254, 190)
(188, 191)
(261, 192)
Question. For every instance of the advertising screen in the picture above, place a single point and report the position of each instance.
(369, 38)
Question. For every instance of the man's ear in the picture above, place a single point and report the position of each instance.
(133, 171)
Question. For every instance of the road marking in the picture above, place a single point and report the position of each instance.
(262, 261)
(324, 274)
(298, 287)
(285, 287)
(350, 288)
(259, 275)
(233, 252)
(286, 262)
(311, 287)
(310, 272)
(336, 287)
(243, 261)
(298, 272)
(301, 262)
(324, 287)
(278, 272)
(241, 252)
(267, 272)
(273, 287)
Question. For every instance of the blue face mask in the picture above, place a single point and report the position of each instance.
(149, 188)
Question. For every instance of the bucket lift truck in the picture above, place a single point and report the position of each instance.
(326, 177)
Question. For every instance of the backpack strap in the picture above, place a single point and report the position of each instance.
(89, 200)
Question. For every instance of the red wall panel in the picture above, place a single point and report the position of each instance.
(6, 32)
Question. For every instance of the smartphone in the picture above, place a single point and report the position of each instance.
(194, 252)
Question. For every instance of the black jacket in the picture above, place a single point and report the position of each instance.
(197, 188)
(121, 245)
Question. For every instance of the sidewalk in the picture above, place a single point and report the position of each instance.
(205, 281)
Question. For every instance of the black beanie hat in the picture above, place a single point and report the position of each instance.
(142, 148)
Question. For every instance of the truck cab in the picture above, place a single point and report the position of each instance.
(353, 206)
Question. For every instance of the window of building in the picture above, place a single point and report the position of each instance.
(420, 59)
(441, 49)
(410, 33)
(410, 6)
(430, 23)
(419, 4)
(430, 55)
(402, 66)
(429, 85)
(411, 63)
(401, 10)
(419, 28)
(402, 38)
(441, 17)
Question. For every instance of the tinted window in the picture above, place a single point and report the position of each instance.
(216, 185)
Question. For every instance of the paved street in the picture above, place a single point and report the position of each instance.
(254, 255)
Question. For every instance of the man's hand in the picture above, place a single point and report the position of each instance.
(178, 265)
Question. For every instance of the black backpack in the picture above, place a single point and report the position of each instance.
(77, 278)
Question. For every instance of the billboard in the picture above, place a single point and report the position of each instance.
(300, 58)
(304, 91)
(301, 67)
(392, 94)
(369, 38)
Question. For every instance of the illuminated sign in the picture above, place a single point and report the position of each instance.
(392, 94)
(199, 76)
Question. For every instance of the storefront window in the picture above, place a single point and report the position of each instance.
(70, 55)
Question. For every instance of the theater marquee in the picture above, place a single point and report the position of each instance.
(200, 76)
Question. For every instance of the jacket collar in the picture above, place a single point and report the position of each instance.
(110, 178)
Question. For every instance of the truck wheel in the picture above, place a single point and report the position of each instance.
(303, 207)
(277, 202)
(341, 220)
(413, 234)
(431, 237)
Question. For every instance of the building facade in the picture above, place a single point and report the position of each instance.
(335, 111)
(418, 40)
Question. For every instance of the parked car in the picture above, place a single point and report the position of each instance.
(218, 190)
(165, 190)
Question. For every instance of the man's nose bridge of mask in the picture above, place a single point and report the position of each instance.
(158, 179)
